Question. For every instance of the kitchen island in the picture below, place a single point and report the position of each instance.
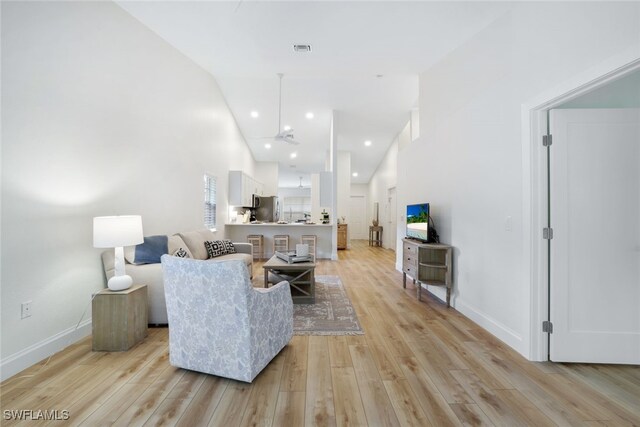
(238, 233)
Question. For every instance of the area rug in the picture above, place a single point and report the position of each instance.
(332, 314)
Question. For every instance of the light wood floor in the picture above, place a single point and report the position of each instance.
(418, 364)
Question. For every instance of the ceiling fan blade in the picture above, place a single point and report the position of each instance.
(289, 140)
(285, 134)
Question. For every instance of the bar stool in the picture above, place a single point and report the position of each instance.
(257, 241)
(280, 243)
(311, 240)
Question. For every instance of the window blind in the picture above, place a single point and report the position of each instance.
(209, 201)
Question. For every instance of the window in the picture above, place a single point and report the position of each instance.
(209, 201)
(296, 208)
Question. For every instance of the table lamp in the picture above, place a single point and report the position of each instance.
(117, 232)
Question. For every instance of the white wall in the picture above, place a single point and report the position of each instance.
(315, 197)
(267, 173)
(384, 178)
(468, 161)
(360, 190)
(332, 166)
(100, 117)
(344, 184)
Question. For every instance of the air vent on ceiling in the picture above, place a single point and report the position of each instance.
(302, 47)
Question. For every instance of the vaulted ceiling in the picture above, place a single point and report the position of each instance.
(364, 65)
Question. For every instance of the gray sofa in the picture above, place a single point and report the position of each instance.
(151, 274)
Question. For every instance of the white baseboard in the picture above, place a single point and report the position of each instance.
(497, 329)
(11, 365)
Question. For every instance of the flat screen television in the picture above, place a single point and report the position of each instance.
(418, 221)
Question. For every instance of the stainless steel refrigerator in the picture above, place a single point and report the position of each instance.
(266, 208)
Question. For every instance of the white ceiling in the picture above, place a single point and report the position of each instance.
(245, 44)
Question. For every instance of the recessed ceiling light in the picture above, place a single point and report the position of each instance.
(267, 145)
(367, 143)
(309, 115)
(355, 174)
(293, 155)
(302, 48)
(255, 114)
(287, 127)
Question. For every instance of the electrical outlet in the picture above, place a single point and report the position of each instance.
(26, 309)
(508, 224)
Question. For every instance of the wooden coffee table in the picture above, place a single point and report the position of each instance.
(300, 275)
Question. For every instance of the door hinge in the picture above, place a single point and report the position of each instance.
(547, 140)
(547, 233)
(547, 327)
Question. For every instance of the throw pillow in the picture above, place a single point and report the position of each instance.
(194, 241)
(150, 251)
(217, 248)
(214, 248)
(181, 253)
(228, 247)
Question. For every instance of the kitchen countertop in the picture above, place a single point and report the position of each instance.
(271, 224)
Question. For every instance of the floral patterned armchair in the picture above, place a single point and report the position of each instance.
(218, 323)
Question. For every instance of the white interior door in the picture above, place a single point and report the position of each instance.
(390, 229)
(357, 218)
(595, 250)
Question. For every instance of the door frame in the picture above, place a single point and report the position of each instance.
(534, 174)
(393, 244)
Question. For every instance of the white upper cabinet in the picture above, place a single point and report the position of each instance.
(242, 187)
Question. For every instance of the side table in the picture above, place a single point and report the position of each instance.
(119, 319)
(375, 235)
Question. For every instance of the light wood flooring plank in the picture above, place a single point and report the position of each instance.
(290, 409)
(438, 367)
(470, 415)
(294, 376)
(406, 404)
(204, 402)
(348, 404)
(262, 401)
(434, 405)
(319, 408)
(339, 352)
(230, 410)
(489, 402)
(139, 412)
(377, 406)
(117, 404)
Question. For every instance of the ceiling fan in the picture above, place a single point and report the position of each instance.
(282, 135)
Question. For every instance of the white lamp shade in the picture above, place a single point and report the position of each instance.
(117, 231)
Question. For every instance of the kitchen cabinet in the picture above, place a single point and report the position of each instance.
(242, 187)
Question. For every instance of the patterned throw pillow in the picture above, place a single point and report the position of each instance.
(228, 247)
(181, 253)
(217, 248)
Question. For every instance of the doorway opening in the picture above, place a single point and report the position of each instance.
(357, 217)
(535, 185)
